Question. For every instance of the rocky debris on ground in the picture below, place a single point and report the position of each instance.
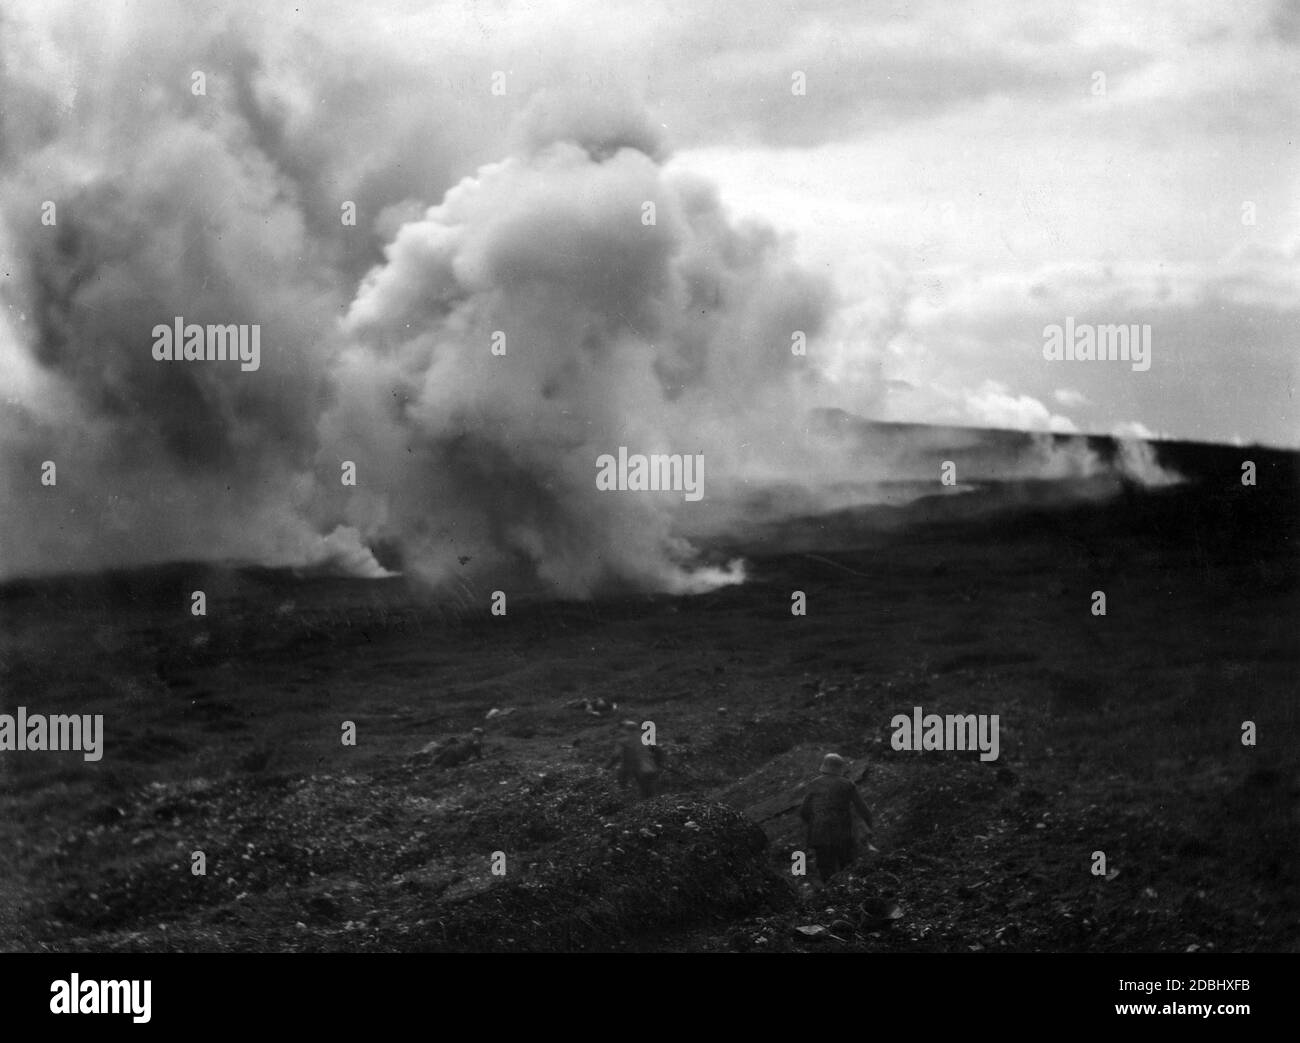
(460, 749)
(448, 753)
(597, 707)
(662, 865)
(384, 863)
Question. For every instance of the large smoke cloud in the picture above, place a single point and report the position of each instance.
(667, 337)
(225, 208)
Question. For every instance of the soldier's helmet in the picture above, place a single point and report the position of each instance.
(834, 764)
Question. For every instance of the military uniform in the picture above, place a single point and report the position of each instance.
(638, 762)
(828, 811)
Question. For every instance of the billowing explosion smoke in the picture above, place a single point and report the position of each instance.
(663, 334)
(669, 337)
(127, 205)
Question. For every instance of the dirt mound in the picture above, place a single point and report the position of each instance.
(400, 861)
(662, 865)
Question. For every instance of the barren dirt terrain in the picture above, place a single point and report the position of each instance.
(1120, 734)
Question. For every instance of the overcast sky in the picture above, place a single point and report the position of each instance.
(969, 173)
(959, 155)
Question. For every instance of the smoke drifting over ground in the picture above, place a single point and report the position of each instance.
(481, 220)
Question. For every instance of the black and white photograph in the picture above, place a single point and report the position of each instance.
(793, 476)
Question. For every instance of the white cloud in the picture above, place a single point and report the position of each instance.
(993, 405)
(1133, 429)
(1070, 398)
